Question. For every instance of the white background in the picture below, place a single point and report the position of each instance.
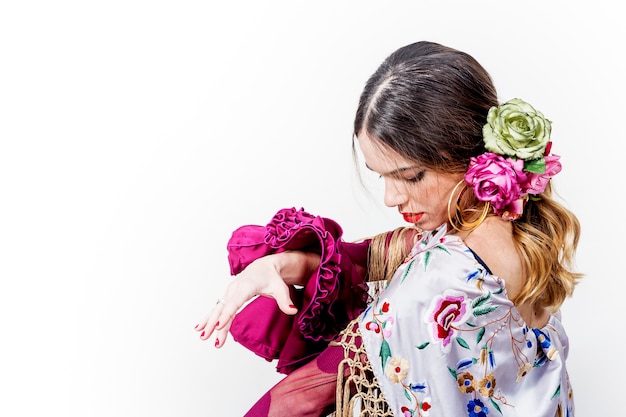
(136, 135)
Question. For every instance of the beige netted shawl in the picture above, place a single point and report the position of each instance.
(358, 392)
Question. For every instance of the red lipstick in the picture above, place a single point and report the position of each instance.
(412, 217)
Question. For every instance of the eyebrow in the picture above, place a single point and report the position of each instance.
(395, 172)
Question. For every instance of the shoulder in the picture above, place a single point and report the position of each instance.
(494, 243)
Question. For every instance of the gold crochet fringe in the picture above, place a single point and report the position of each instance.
(358, 392)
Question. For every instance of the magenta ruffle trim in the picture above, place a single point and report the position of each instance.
(292, 229)
(335, 293)
(317, 320)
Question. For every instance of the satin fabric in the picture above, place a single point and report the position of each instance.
(443, 339)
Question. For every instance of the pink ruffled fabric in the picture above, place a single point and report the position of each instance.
(333, 296)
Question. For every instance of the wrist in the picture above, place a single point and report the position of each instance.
(296, 267)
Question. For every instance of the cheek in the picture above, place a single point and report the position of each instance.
(433, 199)
(426, 193)
(400, 187)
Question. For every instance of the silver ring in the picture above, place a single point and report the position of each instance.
(220, 301)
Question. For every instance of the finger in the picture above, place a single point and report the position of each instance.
(220, 336)
(227, 313)
(208, 324)
(284, 301)
(201, 325)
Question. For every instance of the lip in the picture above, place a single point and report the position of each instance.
(412, 217)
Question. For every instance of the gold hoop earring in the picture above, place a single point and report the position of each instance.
(458, 223)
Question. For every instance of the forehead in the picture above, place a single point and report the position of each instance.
(379, 157)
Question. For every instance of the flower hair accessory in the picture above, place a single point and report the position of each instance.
(518, 163)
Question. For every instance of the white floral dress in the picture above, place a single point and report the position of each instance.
(443, 339)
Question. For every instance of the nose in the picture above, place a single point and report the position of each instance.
(395, 194)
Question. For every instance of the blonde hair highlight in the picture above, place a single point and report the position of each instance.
(547, 236)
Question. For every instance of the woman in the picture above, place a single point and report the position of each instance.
(467, 321)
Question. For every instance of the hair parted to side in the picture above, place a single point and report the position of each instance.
(429, 103)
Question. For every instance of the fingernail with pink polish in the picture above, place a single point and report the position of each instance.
(202, 334)
(292, 306)
(217, 324)
(217, 342)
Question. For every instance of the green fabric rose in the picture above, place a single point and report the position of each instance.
(516, 129)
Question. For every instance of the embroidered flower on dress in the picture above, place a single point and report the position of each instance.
(423, 407)
(381, 321)
(518, 162)
(396, 369)
(476, 408)
(487, 385)
(523, 370)
(445, 312)
(466, 382)
(548, 351)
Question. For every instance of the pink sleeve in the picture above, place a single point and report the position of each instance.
(335, 294)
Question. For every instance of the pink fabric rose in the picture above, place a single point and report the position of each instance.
(514, 210)
(496, 179)
(536, 183)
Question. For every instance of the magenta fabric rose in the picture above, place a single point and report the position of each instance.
(514, 210)
(536, 183)
(496, 179)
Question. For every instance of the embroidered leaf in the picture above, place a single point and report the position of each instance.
(472, 275)
(366, 310)
(484, 310)
(499, 291)
(470, 324)
(492, 359)
(557, 392)
(462, 342)
(427, 259)
(465, 363)
(419, 387)
(480, 334)
(385, 352)
(423, 345)
(495, 405)
(406, 272)
(442, 248)
(481, 300)
(452, 372)
(406, 394)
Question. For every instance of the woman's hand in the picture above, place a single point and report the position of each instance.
(268, 276)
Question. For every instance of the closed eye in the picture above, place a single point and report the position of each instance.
(417, 177)
(403, 174)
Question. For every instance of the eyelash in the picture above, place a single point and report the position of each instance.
(417, 178)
